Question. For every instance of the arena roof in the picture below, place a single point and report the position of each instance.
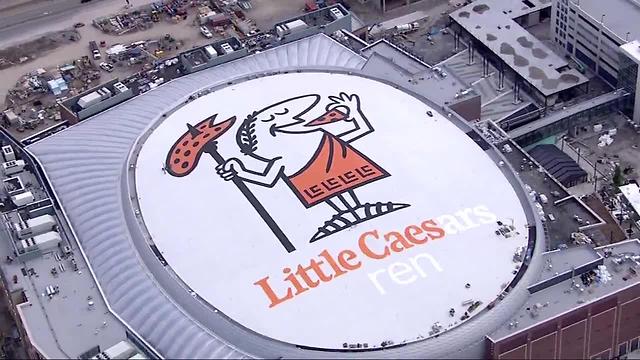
(491, 23)
(187, 311)
(213, 229)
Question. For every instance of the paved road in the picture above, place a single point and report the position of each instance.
(27, 22)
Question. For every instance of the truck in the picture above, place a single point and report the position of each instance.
(405, 28)
(95, 51)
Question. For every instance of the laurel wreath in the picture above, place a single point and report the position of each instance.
(246, 136)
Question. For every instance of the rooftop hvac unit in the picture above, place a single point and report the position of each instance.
(89, 100)
(138, 356)
(227, 48)
(7, 153)
(336, 13)
(104, 93)
(121, 350)
(290, 27)
(23, 198)
(120, 87)
(13, 167)
(211, 51)
(40, 224)
(46, 241)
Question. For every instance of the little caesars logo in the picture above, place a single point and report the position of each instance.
(331, 175)
(372, 246)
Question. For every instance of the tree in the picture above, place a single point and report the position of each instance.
(618, 178)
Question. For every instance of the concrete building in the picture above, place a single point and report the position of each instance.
(94, 100)
(325, 20)
(592, 31)
(51, 294)
(495, 30)
(216, 53)
(629, 76)
(586, 305)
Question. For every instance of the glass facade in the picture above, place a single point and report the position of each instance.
(628, 74)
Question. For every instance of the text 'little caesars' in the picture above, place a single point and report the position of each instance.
(373, 245)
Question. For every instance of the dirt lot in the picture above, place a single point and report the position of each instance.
(184, 31)
(36, 48)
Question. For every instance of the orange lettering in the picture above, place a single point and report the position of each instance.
(411, 231)
(400, 243)
(362, 243)
(294, 281)
(332, 262)
(275, 300)
(347, 255)
(434, 231)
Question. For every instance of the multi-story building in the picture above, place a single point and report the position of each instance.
(592, 31)
(629, 76)
(585, 306)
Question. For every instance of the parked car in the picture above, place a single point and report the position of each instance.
(106, 67)
(95, 51)
(205, 32)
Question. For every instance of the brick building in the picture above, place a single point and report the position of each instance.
(574, 312)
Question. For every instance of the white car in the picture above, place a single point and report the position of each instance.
(106, 67)
(205, 32)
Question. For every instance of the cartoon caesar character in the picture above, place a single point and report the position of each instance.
(324, 168)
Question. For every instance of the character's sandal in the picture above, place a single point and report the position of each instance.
(361, 213)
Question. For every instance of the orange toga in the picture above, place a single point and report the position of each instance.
(335, 167)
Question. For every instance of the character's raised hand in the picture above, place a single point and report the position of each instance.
(230, 169)
(348, 104)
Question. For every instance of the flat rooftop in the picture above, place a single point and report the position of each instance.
(386, 61)
(562, 261)
(64, 325)
(491, 23)
(620, 15)
(398, 56)
(632, 49)
(565, 296)
(632, 193)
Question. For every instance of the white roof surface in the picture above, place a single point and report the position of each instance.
(632, 193)
(216, 242)
(632, 49)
